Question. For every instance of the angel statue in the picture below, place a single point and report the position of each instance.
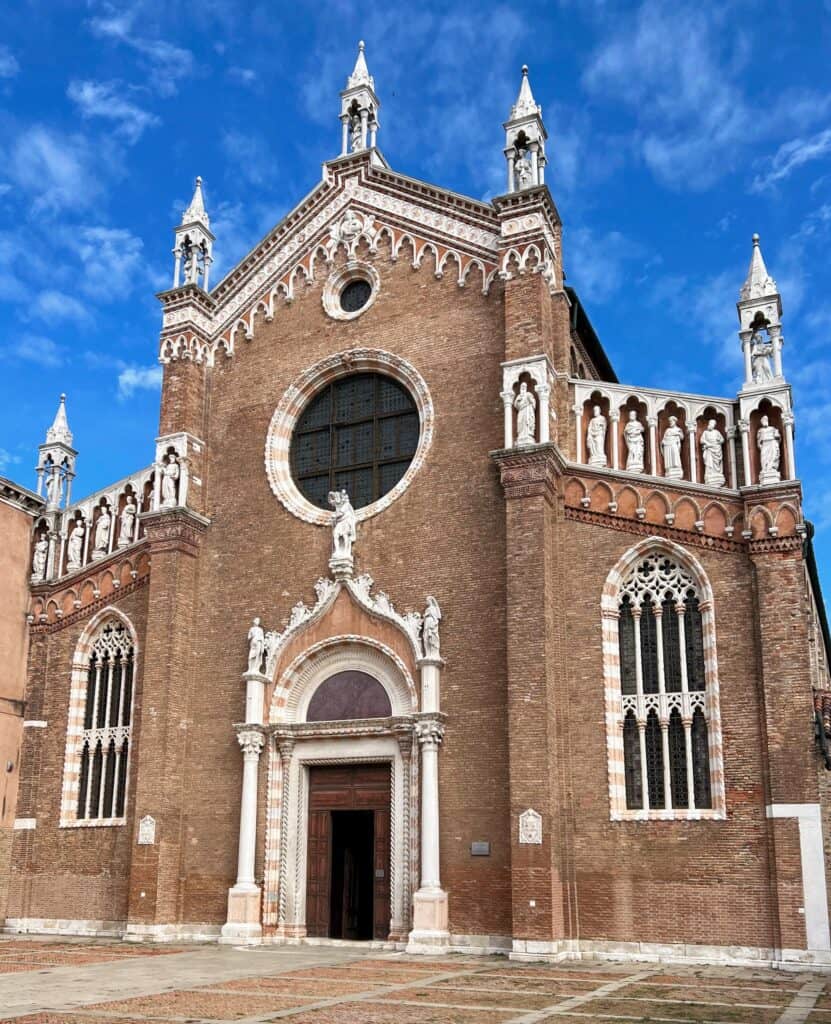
(430, 628)
(343, 526)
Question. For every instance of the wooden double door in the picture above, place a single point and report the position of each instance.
(348, 865)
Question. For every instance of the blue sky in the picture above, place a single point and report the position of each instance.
(676, 130)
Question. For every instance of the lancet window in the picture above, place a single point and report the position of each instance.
(664, 694)
(106, 726)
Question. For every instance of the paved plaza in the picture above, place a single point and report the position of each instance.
(86, 981)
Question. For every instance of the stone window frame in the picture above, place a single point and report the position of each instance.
(354, 270)
(299, 394)
(613, 591)
(75, 720)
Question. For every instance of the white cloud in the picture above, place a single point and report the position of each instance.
(598, 265)
(110, 260)
(58, 170)
(245, 76)
(136, 378)
(791, 155)
(34, 348)
(107, 100)
(7, 459)
(9, 66)
(54, 305)
(167, 63)
(250, 156)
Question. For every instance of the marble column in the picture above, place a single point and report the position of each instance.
(508, 410)
(244, 897)
(544, 393)
(744, 430)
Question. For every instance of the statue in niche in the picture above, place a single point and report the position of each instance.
(272, 645)
(526, 418)
(170, 479)
(760, 353)
(39, 559)
(344, 528)
(101, 538)
(633, 436)
(671, 447)
(256, 646)
(768, 443)
(127, 522)
(596, 438)
(712, 452)
(75, 546)
(523, 172)
(356, 132)
(54, 487)
(430, 628)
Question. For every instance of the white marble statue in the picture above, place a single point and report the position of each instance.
(170, 478)
(671, 447)
(344, 528)
(39, 559)
(430, 628)
(523, 172)
(272, 646)
(768, 443)
(356, 132)
(596, 438)
(256, 646)
(75, 545)
(633, 435)
(101, 537)
(54, 487)
(712, 452)
(127, 522)
(526, 417)
(760, 353)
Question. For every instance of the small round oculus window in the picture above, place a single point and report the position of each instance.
(355, 296)
(359, 433)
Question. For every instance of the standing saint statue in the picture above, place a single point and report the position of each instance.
(633, 435)
(127, 522)
(256, 646)
(356, 132)
(101, 539)
(760, 353)
(768, 443)
(671, 447)
(344, 526)
(712, 452)
(526, 419)
(170, 477)
(596, 438)
(523, 172)
(430, 628)
(39, 559)
(54, 487)
(75, 546)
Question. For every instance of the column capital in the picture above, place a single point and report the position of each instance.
(507, 397)
(251, 739)
(285, 744)
(255, 677)
(429, 730)
(744, 426)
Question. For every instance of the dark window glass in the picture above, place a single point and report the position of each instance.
(359, 434)
(632, 763)
(672, 645)
(654, 761)
(677, 761)
(701, 761)
(355, 296)
(626, 638)
(694, 642)
(348, 695)
(649, 647)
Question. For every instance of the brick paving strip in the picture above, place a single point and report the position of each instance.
(572, 1002)
(75, 987)
(803, 1002)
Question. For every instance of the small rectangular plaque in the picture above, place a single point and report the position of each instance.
(379, 872)
(480, 849)
(147, 831)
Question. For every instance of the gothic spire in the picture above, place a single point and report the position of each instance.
(359, 108)
(193, 251)
(196, 212)
(59, 432)
(525, 102)
(525, 137)
(758, 283)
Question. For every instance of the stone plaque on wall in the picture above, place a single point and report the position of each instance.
(147, 831)
(530, 827)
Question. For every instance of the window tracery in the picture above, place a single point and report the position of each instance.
(665, 739)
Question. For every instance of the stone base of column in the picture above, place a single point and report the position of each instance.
(243, 924)
(429, 934)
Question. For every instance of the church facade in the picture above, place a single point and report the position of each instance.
(421, 628)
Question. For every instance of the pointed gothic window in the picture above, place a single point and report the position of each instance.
(664, 701)
(98, 753)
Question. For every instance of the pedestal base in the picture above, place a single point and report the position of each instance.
(429, 934)
(243, 924)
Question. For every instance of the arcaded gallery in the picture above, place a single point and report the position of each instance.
(419, 627)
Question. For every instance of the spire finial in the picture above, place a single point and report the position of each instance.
(59, 432)
(359, 108)
(196, 211)
(758, 282)
(525, 137)
(525, 103)
(360, 73)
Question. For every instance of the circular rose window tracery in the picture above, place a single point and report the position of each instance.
(362, 420)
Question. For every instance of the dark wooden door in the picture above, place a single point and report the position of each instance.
(319, 873)
(381, 917)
